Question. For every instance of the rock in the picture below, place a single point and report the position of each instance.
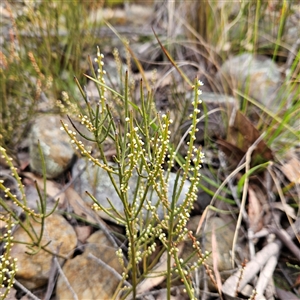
(55, 144)
(96, 181)
(33, 270)
(88, 278)
(256, 76)
(224, 237)
(223, 233)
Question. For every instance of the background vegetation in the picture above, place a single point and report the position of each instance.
(46, 44)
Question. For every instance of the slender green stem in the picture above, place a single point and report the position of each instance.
(184, 277)
(169, 256)
(284, 11)
(133, 259)
(256, 22)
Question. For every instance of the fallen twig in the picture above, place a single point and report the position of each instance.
(24, 289)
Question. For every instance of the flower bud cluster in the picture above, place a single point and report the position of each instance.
(96, 207)
(66, 106)
(116, 104)
(8, 265)
(151, 209)
(117, 60)
(160, 147)
(201, 256)
(148, 236)
(191, 167)
(100, 76)
(120, 256)
(135, 147)
(84, 120)
(81, 148)
(22, 203)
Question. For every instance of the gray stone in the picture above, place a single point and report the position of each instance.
(88, 278)
(55, 145)
(220, 252)
(223, 233)
(33, 270)
(96, 181)
(256, 76)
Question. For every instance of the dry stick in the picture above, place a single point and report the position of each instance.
(294, 229)
(265, 275)
(261, 234)
(263, 257)
(103, 226)
(61, 273)
(106, 230)
(51, 281)
(66, 186)
(283, 200)
(215, 257)
(109, 268)
(244, 214)
(205, 286)
(53, 274)
(287, 240)
(23, 288)
(110, 236)
(252, 268)
(196, 283)
(245, 188)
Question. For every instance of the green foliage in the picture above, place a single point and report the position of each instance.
(141, 137)
(259, 27)
(113, 3)
(18, 213)
(8, 267)
(40, 57)
(240, 26)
